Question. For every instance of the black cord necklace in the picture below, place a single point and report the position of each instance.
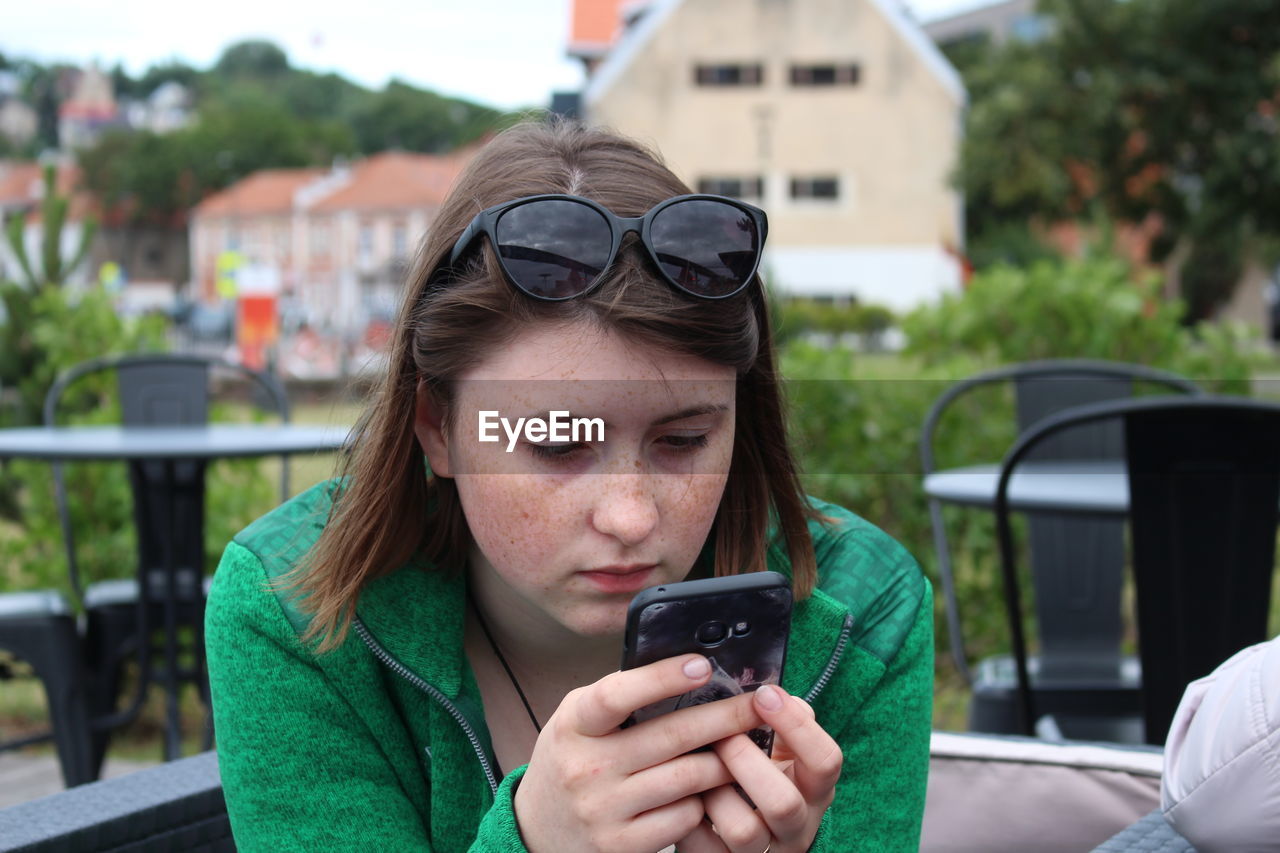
(511, 675)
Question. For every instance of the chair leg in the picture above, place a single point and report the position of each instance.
(110, 642)
(52, 646)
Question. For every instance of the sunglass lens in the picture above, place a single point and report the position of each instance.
(707, 247)
(553, 249)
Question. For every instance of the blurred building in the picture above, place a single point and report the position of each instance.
(165, 110)
(89, 110)
(18, 121)
(840, 117)
(338, 240)
(993, 23)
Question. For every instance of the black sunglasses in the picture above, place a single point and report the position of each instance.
(556, 247)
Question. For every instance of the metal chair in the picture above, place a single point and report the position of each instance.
(1204, 499)
(40, 628)
(1076, 562)
(121, 616)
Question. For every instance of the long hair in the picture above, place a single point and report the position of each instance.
(388, 509)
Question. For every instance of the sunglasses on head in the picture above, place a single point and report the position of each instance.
(556, 247)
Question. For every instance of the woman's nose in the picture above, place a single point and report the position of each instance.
(625, 507)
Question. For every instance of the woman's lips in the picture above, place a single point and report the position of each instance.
(620, 578)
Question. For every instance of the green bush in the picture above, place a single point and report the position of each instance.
(1090, 308)
(800, 317)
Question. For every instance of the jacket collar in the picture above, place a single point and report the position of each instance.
(417, 613)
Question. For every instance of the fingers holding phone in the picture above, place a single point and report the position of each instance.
(785, 797)
(593, 785)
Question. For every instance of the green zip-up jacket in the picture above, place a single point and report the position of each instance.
(381, 744)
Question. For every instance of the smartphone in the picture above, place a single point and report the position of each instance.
(740, 623)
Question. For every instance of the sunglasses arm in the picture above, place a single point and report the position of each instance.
(469, 235)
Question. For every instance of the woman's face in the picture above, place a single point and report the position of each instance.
(569, 531)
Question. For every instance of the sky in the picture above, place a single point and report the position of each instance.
(505, 53)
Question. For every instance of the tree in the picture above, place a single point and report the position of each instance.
(403, 116)
(1135, 108)
(253, 58)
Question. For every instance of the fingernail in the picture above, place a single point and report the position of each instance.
(769, 697)
(697, 668)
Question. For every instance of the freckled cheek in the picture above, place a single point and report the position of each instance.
(698, 501)
(514, 519)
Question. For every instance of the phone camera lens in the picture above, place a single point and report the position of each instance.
(741, 629)
(711, 633)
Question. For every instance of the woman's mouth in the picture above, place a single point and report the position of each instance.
(620, 578)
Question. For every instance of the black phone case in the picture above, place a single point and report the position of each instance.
(754, 611)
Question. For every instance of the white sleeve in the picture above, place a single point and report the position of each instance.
(1221, 783)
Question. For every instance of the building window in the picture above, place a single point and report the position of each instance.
(318, 242)
(1030, 28)
(747, 189)
(825, 75)
(364, 248)
(825, 188)
(750, 74)
(399, 241)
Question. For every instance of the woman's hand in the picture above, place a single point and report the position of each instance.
(791, 791)
(593, 786)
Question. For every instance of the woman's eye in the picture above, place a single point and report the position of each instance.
(684, 443)
(554, 451)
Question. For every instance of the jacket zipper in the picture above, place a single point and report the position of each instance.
(833, 662)
(399, 669)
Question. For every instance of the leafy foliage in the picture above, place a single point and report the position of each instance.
(258, 112)
(53, 267)
(1137, 108)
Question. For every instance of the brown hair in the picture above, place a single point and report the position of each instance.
(389, 510)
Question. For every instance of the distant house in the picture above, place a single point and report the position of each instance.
(89, 111)
(991, 23)
(165, 110)
(839, 117)
(18, 121)
(338, 241)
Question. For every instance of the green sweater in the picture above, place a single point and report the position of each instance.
(381, 744)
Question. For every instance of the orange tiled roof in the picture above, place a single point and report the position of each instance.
(22, 182)
(395, 179)
(595, 23)
(267, 191)
(17, 178)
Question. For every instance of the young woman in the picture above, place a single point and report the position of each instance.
(423, 653)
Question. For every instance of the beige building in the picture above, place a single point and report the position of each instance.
(334, 244)
(839, 117)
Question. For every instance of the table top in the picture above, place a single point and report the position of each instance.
(209, 441)
(1097, 486)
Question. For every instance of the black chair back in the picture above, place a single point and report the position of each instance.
(1075, 562)
(1204, 487)
(1204, 477)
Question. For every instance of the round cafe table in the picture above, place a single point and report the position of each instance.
(1098, 487)
(167, 468)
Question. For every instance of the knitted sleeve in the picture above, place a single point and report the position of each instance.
(878, 704)
(302, 768)
(879, 802)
